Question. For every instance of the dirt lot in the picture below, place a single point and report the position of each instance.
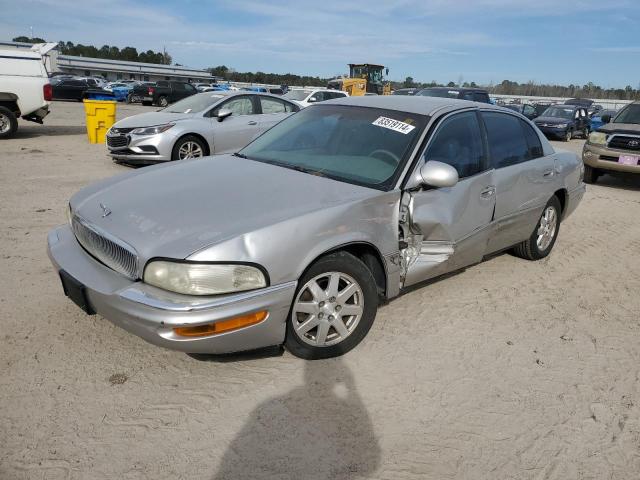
(508, 370)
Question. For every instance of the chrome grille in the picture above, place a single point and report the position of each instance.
(117, 141)
(115, 254)
(624, 142)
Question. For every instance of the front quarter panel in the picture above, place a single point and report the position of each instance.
(288, 248)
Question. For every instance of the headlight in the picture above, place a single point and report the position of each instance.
(561, 125)
(152, 130)
(598, 138)
(203, 278)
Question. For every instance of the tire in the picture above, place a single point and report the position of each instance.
(146, 103)
(8, 123)
(129, 98)
(531, 249)
(567, 136)
(585, 133)
(590, 174)
(183, 142)
(162, 102)
(322, 308)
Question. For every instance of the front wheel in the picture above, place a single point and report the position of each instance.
(8, 123)
(543, 238)
(567, 136)
(333, 309)
(188, 147)
(163, 102)
(590, 174)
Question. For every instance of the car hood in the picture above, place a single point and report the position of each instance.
(150, 119)
(620, 128)
(552, 120)
(174, 210)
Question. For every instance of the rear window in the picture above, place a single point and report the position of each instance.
(506, 138)
(440, 92)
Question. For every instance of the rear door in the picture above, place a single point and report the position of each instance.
(447, 228)
(524, 177)
(238, 129)
(272, 111)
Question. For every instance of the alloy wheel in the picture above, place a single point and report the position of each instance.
(5, 123)
(327, 309)
(547, 228)
(189, 150)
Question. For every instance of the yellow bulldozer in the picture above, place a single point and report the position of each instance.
(363, 78)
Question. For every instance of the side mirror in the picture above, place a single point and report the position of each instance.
(223, 113)
(312, 99)
(605, 118)
(438, 174)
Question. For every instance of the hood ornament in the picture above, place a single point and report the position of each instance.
(105, 211)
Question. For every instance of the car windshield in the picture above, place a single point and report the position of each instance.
(440, 92)
(359, 145)
(558, 112)
(629, 114)
(297, 94)
(194, 103)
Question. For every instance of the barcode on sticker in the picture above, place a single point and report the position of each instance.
(395, 125)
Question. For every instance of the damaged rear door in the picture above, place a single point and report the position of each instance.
(443, 229)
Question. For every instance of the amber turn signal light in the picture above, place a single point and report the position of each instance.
(222, 326)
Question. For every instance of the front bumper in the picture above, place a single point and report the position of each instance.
(141, 148)
(553, 132)
(152, 313)
(604, 158)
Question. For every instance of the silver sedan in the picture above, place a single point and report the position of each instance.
(202, 124)
(299, 236)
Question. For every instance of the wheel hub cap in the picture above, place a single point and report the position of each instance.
(189, 150)
(327, 309)
(547, 228)
(4, 123)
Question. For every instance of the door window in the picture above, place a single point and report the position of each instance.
(528, 110)
(533, 141)
(468, 96)
(458, 143)
(272, 105)
(239, 106)
(507, 142)
(481, 97)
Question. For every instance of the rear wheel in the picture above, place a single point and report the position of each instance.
(544, 236)
(590, 174)
(188, 147)
(163, 102)
(334, 307)
(8, 123)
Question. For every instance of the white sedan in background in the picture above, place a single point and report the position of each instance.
(306, 97)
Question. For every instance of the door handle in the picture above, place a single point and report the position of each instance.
(548, 173)
(252, 122)
(488, 192)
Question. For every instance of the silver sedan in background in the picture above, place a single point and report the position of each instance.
(297, 237)
(202, 124)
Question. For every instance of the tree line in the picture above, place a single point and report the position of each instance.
(110, 52)
(289, 79)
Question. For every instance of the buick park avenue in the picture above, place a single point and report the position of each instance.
(299, 237)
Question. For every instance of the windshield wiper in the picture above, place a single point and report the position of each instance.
(240, 155)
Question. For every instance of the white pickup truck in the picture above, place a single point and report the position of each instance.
(24, 87)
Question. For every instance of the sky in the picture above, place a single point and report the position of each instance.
(486, 41)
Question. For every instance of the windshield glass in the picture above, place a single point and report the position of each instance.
(629, 114)
(297, 94)
(440, 92)
(364, 146)
(558, 112)
(194, 103)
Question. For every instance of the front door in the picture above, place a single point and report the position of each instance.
(238, 129)
(447, 228)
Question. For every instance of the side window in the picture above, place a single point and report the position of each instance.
(468, 96)
(458, 142)
(507, 143)
(272, 105)
(577, 115)
(239, 106)
(162, 84)
(533, 141)
(481, 97)
(319, 97)
(528, 110)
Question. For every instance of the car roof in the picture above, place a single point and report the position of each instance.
(411, 104)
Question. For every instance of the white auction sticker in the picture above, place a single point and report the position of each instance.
(395, 125)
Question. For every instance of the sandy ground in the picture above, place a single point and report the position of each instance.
(508, 370)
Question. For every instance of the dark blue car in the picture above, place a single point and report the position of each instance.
(563, 122)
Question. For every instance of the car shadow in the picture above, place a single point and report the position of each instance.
(275, 351)
(319, 430)
(49, 130)
(623, 181)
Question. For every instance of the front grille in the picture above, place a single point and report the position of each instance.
(625, 143)
(117, 142)
(113, 253)
(121, 130)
